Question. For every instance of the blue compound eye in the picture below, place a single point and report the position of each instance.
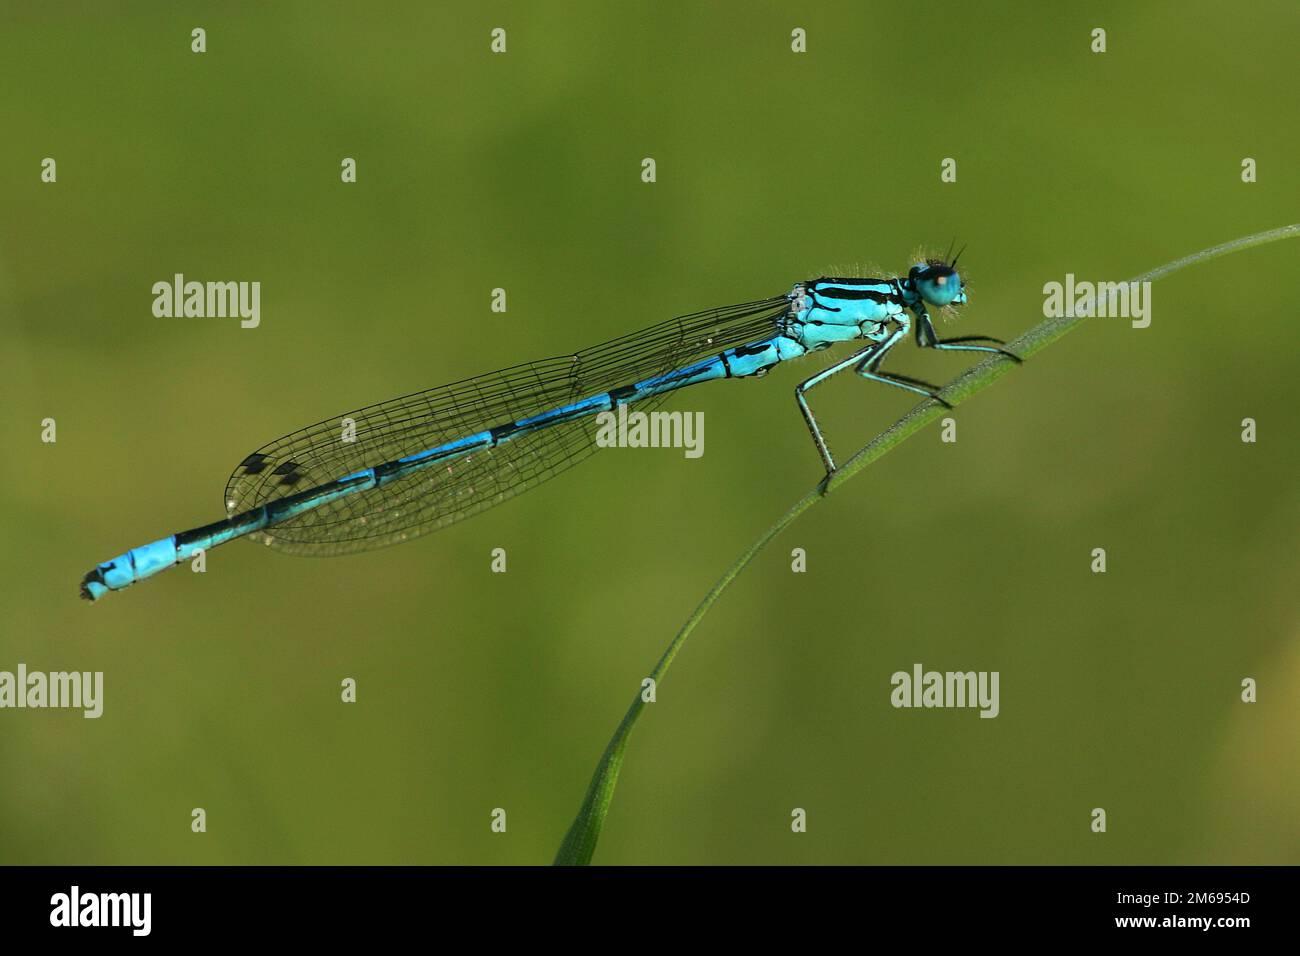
(938, 284)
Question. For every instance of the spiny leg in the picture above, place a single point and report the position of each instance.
(927, 338)
(866, 362)
(862, 355)
(869, 367)
(904, 381)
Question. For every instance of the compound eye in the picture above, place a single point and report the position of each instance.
(941, 280)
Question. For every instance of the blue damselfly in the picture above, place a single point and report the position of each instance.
(426, 460)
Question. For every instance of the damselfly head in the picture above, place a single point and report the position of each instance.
(938, 283)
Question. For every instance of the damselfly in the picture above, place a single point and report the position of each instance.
(424, 461)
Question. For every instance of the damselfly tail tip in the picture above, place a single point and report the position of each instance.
(92, 586)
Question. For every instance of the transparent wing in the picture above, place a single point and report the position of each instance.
(427, 500)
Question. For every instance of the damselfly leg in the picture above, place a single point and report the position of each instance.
(927, 338)
(866, 362)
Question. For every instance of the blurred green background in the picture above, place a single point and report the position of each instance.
(522, 170)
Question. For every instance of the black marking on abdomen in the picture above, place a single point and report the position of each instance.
(622, 392)
(390, 468)
(247, 520)
(96, 576)
(503, 431)
(185, 537)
